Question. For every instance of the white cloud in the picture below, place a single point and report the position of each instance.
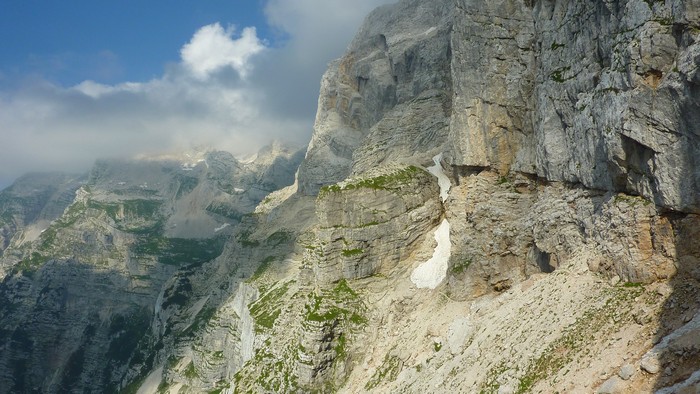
(229, 92)
(213, 48)
(318, 27)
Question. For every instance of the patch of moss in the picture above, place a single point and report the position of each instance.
(351, 252)
(630, 200)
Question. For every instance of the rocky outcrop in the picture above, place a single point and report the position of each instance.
(570, 131)
(367, 225)
(387, 99)
(493, 73)
(507, 229)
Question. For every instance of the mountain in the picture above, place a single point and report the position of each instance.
(88, 259)
(497, 197)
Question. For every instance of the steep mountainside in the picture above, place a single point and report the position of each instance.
(498, 197)
(79, 298)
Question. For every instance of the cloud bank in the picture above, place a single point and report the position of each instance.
(230, 90)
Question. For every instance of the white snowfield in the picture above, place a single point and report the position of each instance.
(443, 180)
(223, 226)
(431, 273)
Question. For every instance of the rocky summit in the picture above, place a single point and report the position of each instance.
(498, 197)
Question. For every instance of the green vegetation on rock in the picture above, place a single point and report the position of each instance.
(351, 252)
(181, 251)
(382, 182)
(387, 372)
(585, 329)
(268, 307)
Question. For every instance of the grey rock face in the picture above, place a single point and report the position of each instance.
(388, 98)
(369, 224)
(627, 371)
(531, 87)
(493, 72)
(614, 104)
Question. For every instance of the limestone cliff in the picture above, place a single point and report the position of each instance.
(498, 196)
(570, 137)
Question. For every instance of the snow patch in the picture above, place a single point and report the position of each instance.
(431, 273)
(238, 190)
(443, 180)
(223, 226)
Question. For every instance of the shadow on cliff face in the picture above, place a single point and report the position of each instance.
(677, 341)
(67, 326)
(70, 326)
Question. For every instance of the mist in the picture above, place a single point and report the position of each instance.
(230, 90)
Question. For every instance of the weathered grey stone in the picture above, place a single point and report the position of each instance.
(627, 371)
(614, 385)
(369, 224)
(387, 98)
(650, 365)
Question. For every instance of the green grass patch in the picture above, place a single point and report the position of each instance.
(338, 303)
(382, 182)
(279, 237)
(268, 308)
(190, 371)
(225, 211)
(556, 46)
(126, 331)
(592, 324)
(185, 184)
(200, 321)
(30, 265)
(264, 265)
(351, 252)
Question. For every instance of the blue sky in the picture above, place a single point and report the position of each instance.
(82, 80)
(70, 41)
